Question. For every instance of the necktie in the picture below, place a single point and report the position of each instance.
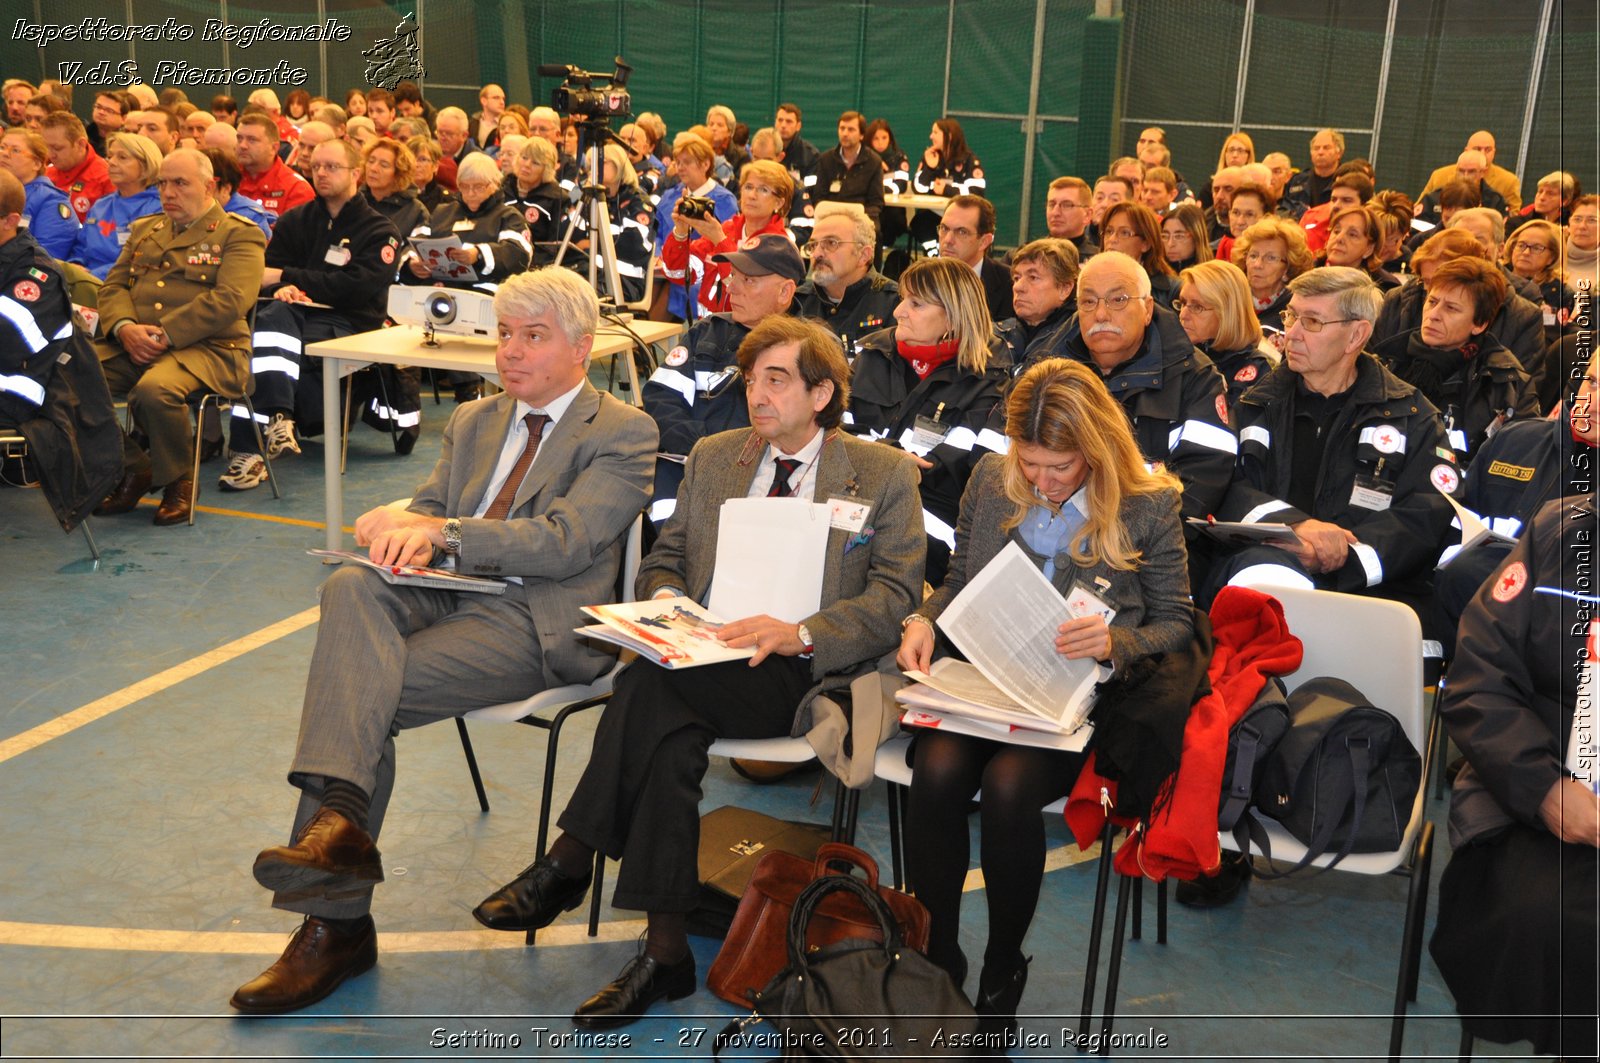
(781, 488)
(500, 508)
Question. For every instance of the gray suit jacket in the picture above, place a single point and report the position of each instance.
(867, 586)
(1152, 601)
(569, 519)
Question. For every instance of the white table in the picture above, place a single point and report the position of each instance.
(915, 201)
(403, 345)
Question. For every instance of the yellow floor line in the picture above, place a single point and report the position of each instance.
(102, 707)
(219, 511)
(124, 939)
(1054, 860)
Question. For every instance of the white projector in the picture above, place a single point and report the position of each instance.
(452, 311)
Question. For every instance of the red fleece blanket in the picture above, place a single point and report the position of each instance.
(1252, 643)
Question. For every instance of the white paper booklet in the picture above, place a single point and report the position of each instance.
(441, 268)
(671, 632)
(419, 575)
(770, 553)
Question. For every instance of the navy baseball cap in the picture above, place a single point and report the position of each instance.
(769, 253)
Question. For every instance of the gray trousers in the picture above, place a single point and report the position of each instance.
(389, 658)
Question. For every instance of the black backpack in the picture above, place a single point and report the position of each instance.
(1344, 776)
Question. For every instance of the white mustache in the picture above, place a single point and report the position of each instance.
(1104, 326)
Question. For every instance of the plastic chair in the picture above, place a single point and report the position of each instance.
(846, 802)
(566, 700)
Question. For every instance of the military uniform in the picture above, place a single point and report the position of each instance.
(199, 285)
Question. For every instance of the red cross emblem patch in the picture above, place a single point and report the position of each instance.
(1509, 583)
(1386, 440)
(1445, 479)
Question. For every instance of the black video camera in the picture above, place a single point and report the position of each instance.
(696, 207)
(580, 97)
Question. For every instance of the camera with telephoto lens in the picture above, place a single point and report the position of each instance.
(696, 207)
(580, 97)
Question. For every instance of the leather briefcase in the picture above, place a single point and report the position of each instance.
(756, 947)
(732, 841)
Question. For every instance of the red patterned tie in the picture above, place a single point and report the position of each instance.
(781, 488)
(500, 508)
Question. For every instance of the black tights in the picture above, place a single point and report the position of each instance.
(1017, 782)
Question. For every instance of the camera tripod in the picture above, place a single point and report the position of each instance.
(594, 208)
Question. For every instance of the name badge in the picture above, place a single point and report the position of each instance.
(461, 226)
(1458, 440)
(1372, 493)
(1549, 318)
(1083, 602)
(928, 433)
(836, 186)
(848, 514)
(337, 256)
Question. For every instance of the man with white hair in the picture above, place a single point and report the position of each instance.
(1174, 396)
(844, 292)
(451, 129)
(1347, 454)
(538, 486)
(338, 251)
(544, 122)
(1502, 180)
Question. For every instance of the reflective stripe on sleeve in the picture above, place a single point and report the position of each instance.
(939, 529)
(1202, 434)
(671, 378)
(1265, 509)
(1369, 562)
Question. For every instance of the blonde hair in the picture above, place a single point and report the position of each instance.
(617, 156)
(1233, 138)
(140, 147)
(405, 163)
(775, 175)
(1272, 228)
(1224, 286)
(1557, 269)
(541, 152)
(953, 287)
(1063, 405)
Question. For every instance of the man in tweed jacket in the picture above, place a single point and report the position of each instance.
(639, 796)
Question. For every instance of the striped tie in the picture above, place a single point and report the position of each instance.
(781, 487)
(500, 508)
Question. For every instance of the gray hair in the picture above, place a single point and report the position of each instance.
(478, 167)
(552, 290)
(1496, 221)
(865, 232)
(1118, 260)
(1568, 183)
(451, 113)
(725, 111)
(541, 151)
(1358, 297)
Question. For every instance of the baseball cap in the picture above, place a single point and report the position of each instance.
(769, 253)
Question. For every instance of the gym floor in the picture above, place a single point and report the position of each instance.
(150, 711)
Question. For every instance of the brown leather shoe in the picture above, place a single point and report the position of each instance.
(126, 495)
(317, 961)
(332, 858)
(177, 503)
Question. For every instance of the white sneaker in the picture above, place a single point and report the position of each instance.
(279, 434)
(244, 472)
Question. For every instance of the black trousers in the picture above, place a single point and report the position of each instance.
(639, 797)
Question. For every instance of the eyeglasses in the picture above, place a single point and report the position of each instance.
(475, 186)
(1266, 258)
(1180, 305)
(831, 244)
(328, 167)
(1122, 234)
(1310, 324)
(763, 189)
(963, 232)
(1088, 304)
(1523, 245)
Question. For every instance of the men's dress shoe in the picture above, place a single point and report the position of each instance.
(332, 858)
(1218, 889)
(999, 993)
(642, 982)
(177, 503)
(126, 495)
(319, 958)
(533, 899)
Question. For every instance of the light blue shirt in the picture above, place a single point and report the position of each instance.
(1048, 533)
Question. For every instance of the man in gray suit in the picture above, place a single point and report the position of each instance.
(638, 798)
(537, 485)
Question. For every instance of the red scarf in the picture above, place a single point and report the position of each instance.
(925, 358)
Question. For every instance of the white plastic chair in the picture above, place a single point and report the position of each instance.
(566, 701)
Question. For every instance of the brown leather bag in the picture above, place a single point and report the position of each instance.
(757, 945)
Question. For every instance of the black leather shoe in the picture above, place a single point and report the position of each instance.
(533, 899)
(999, 993)
(332, 858)
(126, 495)
(1219, 889)
(177, 503)
(318, 960)
(642, 982)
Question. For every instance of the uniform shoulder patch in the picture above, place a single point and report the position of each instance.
(1445, 479)
(677, 356)
(1510, 582)
(27, 291)
(1222, 408)
(1246, 374)
(1520, 473)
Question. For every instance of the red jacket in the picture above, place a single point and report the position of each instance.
(1252, 642)
(278, 189)
(84, 183)
(695, 256)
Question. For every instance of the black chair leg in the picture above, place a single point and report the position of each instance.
(1161, 912)
(472, 763)
(1411, 940)
(89, 537)
(1464, 1053)
(1114, 971)
(846, 806)
(383, 389)
(261, 442)
(1441, 742)
(1096, 921)
(893, 793)
(1138, 910)
(594, 894)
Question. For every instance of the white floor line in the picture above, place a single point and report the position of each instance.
(102, 707)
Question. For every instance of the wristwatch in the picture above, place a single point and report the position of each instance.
(915, 618)
(805, 639)
(452, 536)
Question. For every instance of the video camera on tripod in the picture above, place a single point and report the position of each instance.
(593, 99)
